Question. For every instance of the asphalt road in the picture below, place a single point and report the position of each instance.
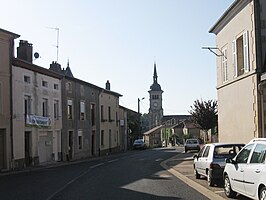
(131, 175)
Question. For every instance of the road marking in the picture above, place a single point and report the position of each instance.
(110, 161)
(94, 166)
(206, 192)
(67, 184)
(159, 159)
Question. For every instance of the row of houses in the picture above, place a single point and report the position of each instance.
(48, 115)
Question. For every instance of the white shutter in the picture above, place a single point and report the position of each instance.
(246, 52)
(224, 64)
(234, 51)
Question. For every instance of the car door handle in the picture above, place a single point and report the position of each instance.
(257, 171)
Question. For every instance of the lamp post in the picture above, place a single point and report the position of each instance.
(139, 125)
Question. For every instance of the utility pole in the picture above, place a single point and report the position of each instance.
(139, 116)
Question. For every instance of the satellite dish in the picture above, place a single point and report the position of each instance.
(36, 55)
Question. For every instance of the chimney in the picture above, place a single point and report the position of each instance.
(107, 85)
(56, 67)
(24, 51)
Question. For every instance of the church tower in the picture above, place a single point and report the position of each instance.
(156, 109)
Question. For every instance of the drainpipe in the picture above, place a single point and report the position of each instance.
(11, 100)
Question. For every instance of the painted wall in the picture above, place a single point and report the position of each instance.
(44, 142)
(237, 96)
(110, 127)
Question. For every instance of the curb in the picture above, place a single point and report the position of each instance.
(203, 190)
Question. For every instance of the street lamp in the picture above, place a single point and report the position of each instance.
(138, 103)
(139, 126)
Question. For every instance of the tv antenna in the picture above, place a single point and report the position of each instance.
(57, 41)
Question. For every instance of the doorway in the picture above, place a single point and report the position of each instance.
(70, 145)
(2, 148)
(93, 143)
(27, 148)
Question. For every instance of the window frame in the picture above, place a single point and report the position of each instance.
(70, 109)
(242, 40)
(82, 110)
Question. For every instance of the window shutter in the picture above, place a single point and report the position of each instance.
(224, 63)
(246, 52)
(234, 50)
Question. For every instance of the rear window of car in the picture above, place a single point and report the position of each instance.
(192, 142)
(226, 151)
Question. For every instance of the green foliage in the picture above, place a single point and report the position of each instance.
(204, 114)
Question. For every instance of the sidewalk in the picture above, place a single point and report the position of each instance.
(181, 166)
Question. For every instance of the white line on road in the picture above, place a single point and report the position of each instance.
(67, 184)
(72, 181)
(94, 166)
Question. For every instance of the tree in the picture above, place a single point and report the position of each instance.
(204, 114)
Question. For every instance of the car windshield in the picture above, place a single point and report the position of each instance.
(138, 141)
(227, 151)
(192, 141)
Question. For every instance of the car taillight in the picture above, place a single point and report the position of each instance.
(214, 165)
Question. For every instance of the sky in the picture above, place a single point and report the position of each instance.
(120, 40)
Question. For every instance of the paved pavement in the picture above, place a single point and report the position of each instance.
(181, 166)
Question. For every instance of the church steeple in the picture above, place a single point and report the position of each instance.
(156, 109)
(155, 74)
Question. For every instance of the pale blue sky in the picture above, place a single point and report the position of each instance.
(119, 40)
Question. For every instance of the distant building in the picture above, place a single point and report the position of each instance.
(36, 118)
(109, 121)
(156, 109)
(80, 113)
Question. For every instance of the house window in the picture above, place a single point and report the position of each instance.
(241, 55)
(82, 110)
(45, 107)
(27, 79)
(27, 105)
(56, 86)
(80, 139)
(102, 137)
(102, 113)
(224, 65)
(45, 84)
(56, 109)
(109, 113)
(69, 86)
(116, 118)
(92, 114)
(69, 109)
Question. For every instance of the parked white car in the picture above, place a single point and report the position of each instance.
(210, 161)
(246, 173)
(192, 144)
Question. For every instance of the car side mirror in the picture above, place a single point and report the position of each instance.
(230, 160)
(195, 156)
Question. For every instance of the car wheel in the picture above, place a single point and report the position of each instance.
(197, 175)
(227, 188)
(210, 179)
(263, 193)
